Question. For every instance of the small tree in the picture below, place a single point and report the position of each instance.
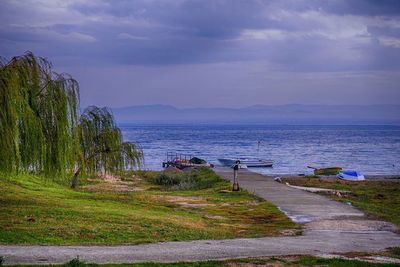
(102, 146)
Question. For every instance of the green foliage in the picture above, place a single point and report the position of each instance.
(394, 252)
(76, 262)
(337, 262)
(170, 179)
(38, 117)
(40, 128)
(304, 261)
(311, 176)
(102, 144)
(196, 179)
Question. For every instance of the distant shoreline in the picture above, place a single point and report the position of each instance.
(172, 124)
(295, 114)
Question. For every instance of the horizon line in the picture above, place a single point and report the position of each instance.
(252, 106)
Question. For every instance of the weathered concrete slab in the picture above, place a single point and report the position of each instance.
(299, 205)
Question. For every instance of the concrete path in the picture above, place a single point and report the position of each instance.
(300, 206)
(331, 227)
(315, 211)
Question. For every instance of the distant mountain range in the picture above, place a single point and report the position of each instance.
(262, 114)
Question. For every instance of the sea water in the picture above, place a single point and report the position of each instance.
(371, 150)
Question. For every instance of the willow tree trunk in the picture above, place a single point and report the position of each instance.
(74, 179)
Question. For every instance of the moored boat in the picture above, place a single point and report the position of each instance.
(182, 161)
(326, 171)
(250, 163)
(351, 176)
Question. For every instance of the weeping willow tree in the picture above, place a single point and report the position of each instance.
(38, 117)
(41, 130)
(103, 149)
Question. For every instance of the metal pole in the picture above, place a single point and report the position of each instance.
(235, 176)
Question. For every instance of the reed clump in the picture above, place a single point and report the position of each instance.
(196, 179)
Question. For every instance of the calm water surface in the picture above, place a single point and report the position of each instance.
(369, 149)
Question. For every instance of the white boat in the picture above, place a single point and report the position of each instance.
(251, 163)
(351, 176)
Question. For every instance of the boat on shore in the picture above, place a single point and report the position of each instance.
(351, 176)
(182, 161)
(250, 163)
(326, 171)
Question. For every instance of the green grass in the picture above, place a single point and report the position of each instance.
(251, 262)
(337, 262)
(393, 252)
(378, 198)
(186, 180)
(38, 211)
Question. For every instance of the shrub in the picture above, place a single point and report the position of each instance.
(170, 179)
(196, 179)
(76, 262)
(394, 251)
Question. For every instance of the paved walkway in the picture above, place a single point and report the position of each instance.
(331, 227)
(299, 205)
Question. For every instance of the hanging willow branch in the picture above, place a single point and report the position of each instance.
(38, 117)
(102, 146)
(40, 128)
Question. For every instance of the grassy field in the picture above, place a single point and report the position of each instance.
(378, 198)
(132, 210)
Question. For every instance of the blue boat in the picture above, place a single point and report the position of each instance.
(351, 176)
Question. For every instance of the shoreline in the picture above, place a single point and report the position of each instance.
(367, 176)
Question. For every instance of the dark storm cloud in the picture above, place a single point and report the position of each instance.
(176, 32)
(170, 32)
(301, 36)
(212, 19)
(363, 7)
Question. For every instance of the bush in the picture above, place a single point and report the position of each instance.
(1, 261)
(394, 251)
(196, 179)
(76, 262)
(170, 179)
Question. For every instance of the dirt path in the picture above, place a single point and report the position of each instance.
(330, 227)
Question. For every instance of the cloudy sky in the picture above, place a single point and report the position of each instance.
(214, 53)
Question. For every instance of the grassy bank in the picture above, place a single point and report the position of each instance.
(131, 210)
(378, 198)
(253, 262)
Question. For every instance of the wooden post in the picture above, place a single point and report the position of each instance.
(235, 176)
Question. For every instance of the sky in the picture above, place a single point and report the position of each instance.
(214, 53)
